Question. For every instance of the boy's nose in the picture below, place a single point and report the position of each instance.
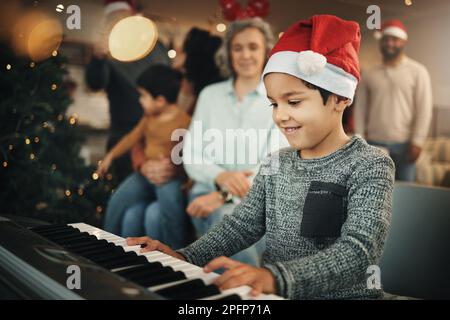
(282, 114)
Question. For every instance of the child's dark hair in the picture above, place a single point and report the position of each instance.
(325, 94)
(161, 80)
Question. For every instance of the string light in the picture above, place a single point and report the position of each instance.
(60, 117)
(53, 167)
(67, 193)
(5, 164)
(54, 87)
(408, 2)
(99, 209)
(32, 64)
(32, 156)
(221, 27)
(45, 124)
(10, 147)
(109, 176)
(8, 67)
(172, 54)
(95, 176)
(27, 141)
(80, 191)
(54, 53)
(73, 120)
(36, 139)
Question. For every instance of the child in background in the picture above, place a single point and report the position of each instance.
(158, 87)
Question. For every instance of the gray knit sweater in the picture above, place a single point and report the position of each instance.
(325, 221)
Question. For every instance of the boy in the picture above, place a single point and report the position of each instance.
(325, 203)
(158, 86)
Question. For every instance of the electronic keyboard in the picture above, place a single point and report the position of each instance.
(34, 263)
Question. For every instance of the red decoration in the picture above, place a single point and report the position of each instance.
(255, 8)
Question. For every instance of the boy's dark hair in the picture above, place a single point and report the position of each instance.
(161, 80)
(325, 94)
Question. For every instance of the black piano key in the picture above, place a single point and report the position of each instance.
(230, 297)
(149, 273)
(123, 262)
(74, 240)
(170, 277)
(68, 236)
(182, 287)
(198, 293)
(83, 247)
(138, 270)
(99, 251)
(54, 233)
(39, 229)
(160, 277)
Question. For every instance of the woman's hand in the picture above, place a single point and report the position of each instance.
(239, 274)
(149, 244)
(158, 171)
(235, 182)
(203, 206)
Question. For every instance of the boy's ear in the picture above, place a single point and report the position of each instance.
(340, 103)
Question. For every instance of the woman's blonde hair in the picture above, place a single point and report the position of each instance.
(223, 55)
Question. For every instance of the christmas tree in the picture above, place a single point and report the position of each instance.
(41, 172)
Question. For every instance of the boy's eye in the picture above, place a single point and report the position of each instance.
(294, 102)
(273, 105)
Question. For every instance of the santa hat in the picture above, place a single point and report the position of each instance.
(393, 28)
(322, 51)
(116, 5)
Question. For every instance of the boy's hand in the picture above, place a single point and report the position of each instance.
(203, 206)
(239, 274)
(235, 182)
(148, 244)
(104, 165)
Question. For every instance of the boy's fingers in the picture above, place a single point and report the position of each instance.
(237, 281)
(221, 262)
(229, 274)
(133, 241)
(257, 288)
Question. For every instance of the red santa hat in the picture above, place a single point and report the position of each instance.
(322, 51)
(116, 5)
(393, 28)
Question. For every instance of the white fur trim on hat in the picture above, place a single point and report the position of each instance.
(116, 6)
(329, 77)
(396, 32)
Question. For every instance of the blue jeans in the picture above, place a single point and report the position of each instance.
(137, 190)
(251, 255)
(404, 169)
(172, 229)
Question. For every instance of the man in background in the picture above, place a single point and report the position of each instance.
(393, 107)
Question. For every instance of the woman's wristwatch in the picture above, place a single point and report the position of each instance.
(224, 195)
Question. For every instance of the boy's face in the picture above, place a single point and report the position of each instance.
(299, 111)
(149, 104)
(248, 53)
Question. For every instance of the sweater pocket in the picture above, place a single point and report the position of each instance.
(324, 211)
